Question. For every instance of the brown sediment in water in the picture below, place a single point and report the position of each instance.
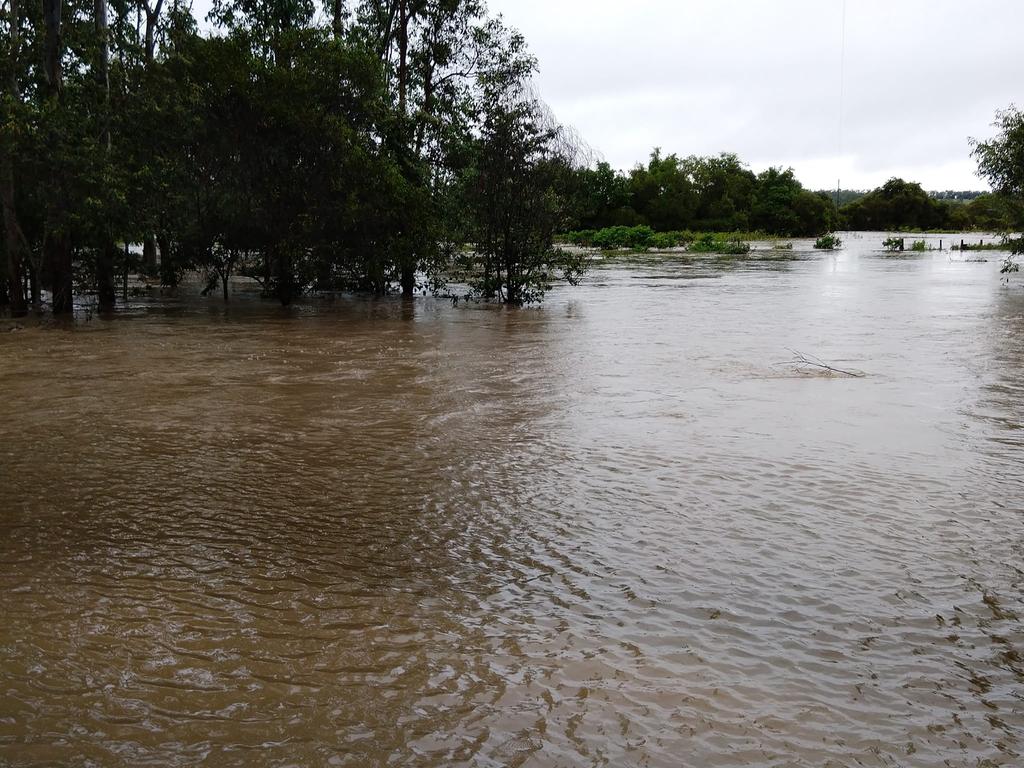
(597, 532)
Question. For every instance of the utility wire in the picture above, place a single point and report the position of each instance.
(842, 94)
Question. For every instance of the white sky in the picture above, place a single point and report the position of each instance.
(762, 78)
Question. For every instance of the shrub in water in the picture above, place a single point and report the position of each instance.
(827, 242)
(664, 240)
(708, 243)
(623, 237)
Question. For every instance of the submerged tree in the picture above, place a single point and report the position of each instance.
(15, 243)
(514, 183)
(896, 205)
(1001, 164)
(310, 152)
(782, 206)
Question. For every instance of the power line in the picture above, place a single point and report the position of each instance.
(842, 94)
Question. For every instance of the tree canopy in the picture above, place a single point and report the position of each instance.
(368, 145)
(1001, 164)
(344, 152)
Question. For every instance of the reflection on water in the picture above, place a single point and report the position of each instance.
(609, 531)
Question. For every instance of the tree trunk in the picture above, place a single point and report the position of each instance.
(14, 238)
(124, 274)
(149, 252)
(34, 290)
(403, 56)
(338, 8)
(225, 274)
(168, 274)
(426, 113)
(105, 287)
(106, 277)
(57, 248)
(285, 280)
(152, 20)
(408, 280)
(53, 46)
(56, 242)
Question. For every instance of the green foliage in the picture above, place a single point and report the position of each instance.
(919, 245)
(896, 205)
(710, 194)
(892, 243)
(1001, 163)
(828, 242)
(1001, 159)
(841, 197)
(783, 207)
(623, 237)
(663, 241)
(710, 243)
(513, 187)
(307, 156)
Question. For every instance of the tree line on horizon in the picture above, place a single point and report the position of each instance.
(721, 194)
(379, 146)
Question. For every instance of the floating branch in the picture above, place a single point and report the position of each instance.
(803, 363)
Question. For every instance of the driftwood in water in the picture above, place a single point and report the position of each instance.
(803, 363)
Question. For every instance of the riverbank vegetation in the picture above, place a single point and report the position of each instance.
(1001, 163)
(642, 237)
(721, 194)
(356, 146)
(380, 146)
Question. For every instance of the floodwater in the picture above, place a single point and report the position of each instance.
(620, 529)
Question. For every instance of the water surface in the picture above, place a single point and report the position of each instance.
(618, 529)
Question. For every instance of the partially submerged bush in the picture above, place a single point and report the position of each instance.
(828, 242)
(919, 245)
(892, 243)
(623, 237)
(711, 244)
(642, 237)
(662, 241)
(584, 237)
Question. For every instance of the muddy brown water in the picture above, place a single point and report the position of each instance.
(614, 530)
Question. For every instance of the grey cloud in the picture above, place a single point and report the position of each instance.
(763, 79)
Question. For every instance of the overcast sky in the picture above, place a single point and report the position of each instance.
(762, 78)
